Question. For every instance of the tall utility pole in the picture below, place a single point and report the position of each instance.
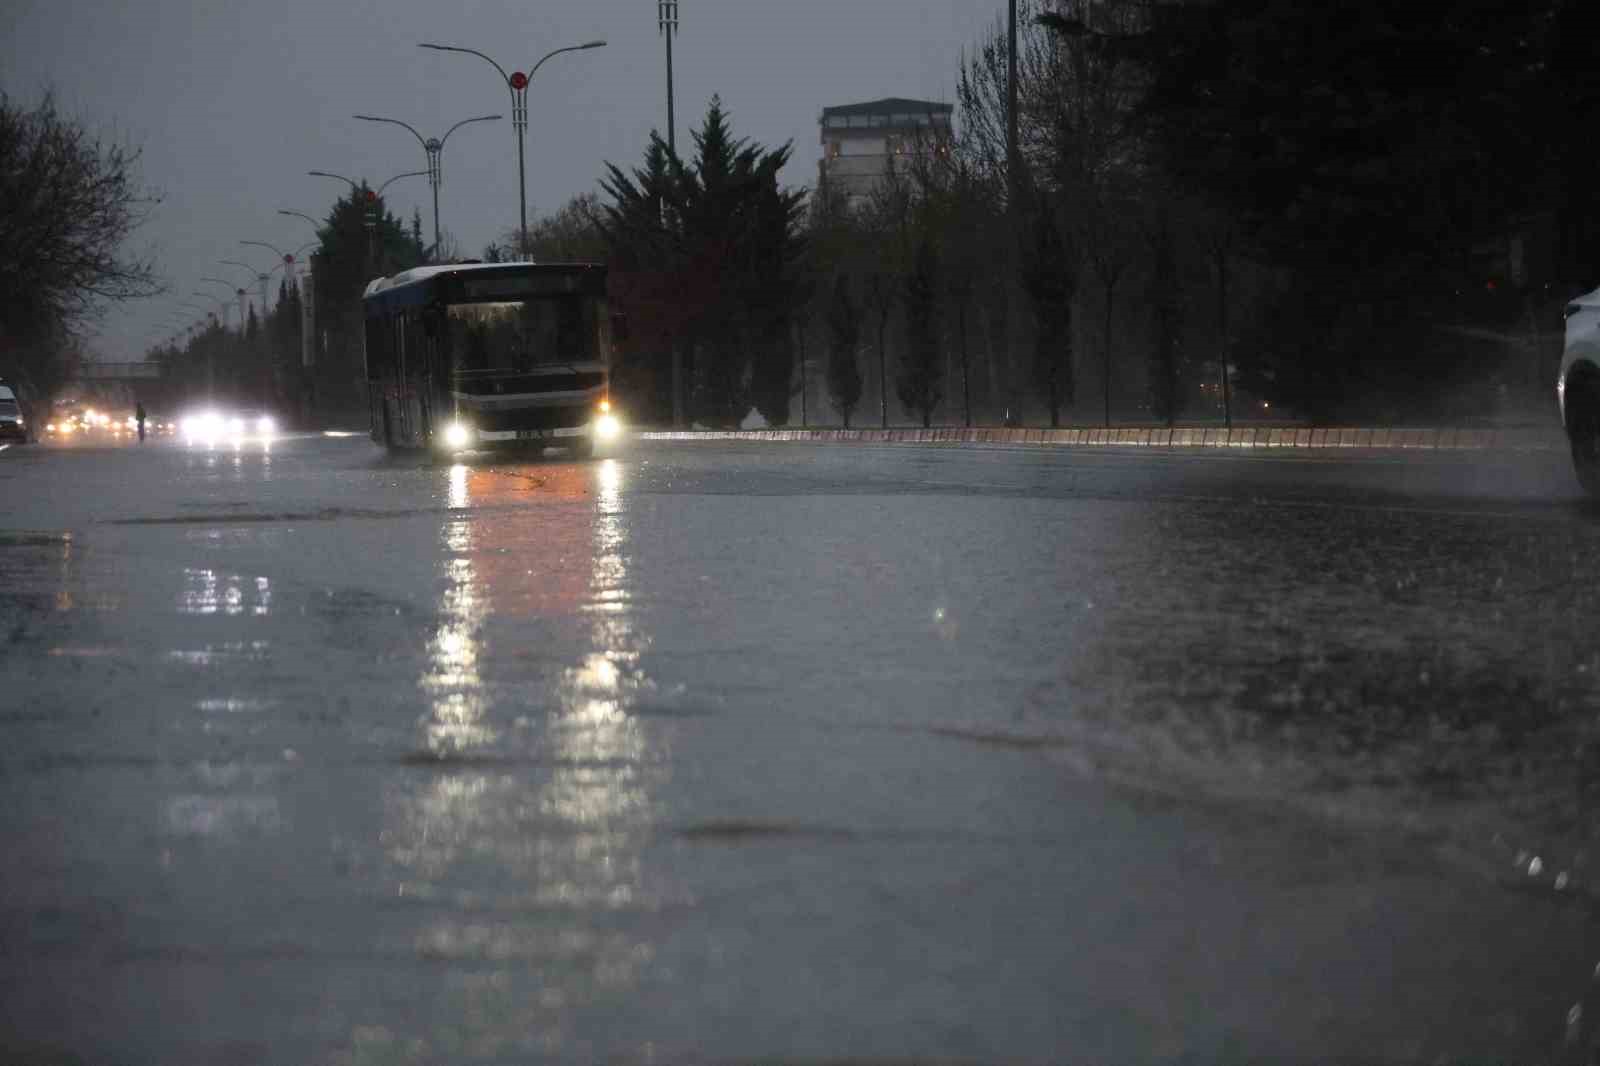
(1014, 217)
(667, 20)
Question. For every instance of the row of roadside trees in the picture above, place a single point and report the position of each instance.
(1216, 208)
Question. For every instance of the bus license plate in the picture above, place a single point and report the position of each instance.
(530, 434)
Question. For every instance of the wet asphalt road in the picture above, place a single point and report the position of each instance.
(796, 753)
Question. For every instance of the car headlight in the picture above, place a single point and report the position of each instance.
(457, 436)
(606, 427)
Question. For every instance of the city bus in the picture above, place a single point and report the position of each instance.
(469, 355)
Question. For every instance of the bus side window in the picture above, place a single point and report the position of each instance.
(380, 354)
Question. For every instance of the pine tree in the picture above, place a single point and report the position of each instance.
(707, 255)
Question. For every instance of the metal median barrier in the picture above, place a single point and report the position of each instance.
(1520, 439)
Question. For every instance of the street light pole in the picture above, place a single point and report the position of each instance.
(286, 258)
(667, 20)
(371, 198)
(256, 275)
(433, 147)
(517, 85)
(222, 306)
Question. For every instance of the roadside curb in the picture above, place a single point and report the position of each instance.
(1517, 440)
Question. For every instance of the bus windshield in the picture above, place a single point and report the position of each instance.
(520, 334)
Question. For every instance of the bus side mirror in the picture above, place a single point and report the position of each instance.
(619, 329)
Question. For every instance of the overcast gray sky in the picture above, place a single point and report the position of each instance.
(234, 102)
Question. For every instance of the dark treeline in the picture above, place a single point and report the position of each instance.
(70, 200)
(1218, 209)
(1227, 209)
(264, 363)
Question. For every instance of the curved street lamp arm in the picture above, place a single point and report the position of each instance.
(308, 244)
(397, 177)
(224, 282)
(264, 244)
(471, 52)
(396, 122)
(341, 177)
(234, 262)
(558, 51)
(300, 214)
(463, 122)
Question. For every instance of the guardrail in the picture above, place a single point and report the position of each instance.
(1520, 439)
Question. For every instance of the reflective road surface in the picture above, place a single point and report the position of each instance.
(792, 753)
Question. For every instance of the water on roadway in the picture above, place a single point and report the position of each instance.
(795, 753)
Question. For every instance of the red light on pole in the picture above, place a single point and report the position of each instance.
(519, 81)
(372, 197)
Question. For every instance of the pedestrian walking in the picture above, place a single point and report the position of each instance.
(138, 414)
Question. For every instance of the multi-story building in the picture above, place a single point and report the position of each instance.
(859, 140)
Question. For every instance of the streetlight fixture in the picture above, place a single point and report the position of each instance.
(233, 290)
(371, 199)
(517, 84)
(286, 260)
(259, 277)
(433, 147)
(222, 305)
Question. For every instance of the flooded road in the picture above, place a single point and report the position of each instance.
(796, 753)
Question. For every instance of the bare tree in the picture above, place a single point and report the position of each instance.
(70, 201)
(571, 234)
(887, 221)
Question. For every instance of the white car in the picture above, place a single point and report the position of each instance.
(212, 427)
(1578, 388)
(12, 425)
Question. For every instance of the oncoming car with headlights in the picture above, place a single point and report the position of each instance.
(468, 355)
(212, 427)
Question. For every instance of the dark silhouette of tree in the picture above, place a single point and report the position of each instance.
(69, 204)
(1165, 303)
(844, 338)
(1374, 188)
(1049, 279)
(350, 256)
(918, 379)
(710, 253)
(571, 235)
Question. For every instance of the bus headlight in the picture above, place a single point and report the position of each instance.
(606, 427)
(457, 436)
(265, 426)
